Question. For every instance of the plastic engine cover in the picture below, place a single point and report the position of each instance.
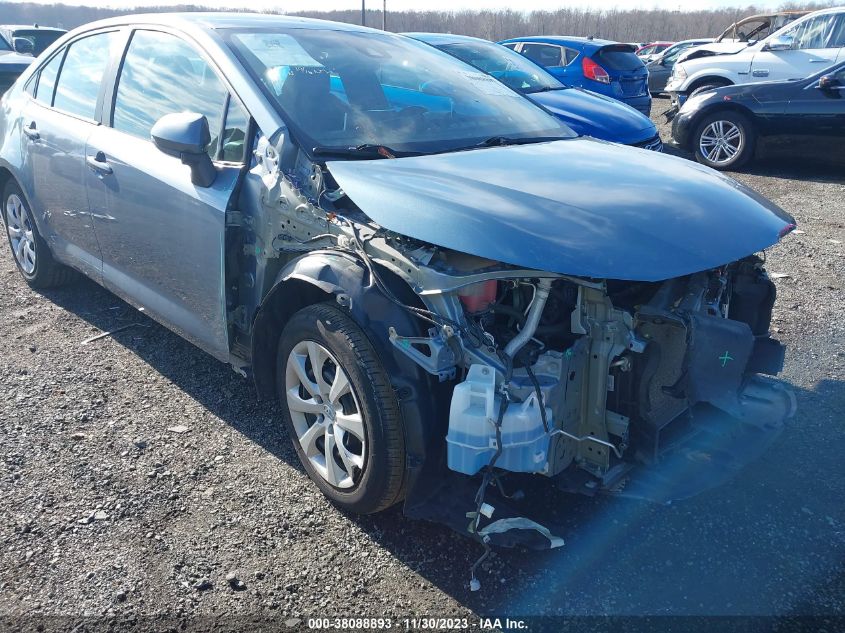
(471, 441)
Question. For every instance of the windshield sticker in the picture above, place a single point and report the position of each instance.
(276, 49)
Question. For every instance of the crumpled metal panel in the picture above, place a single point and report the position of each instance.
(578, 207)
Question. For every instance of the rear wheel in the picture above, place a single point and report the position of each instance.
(29, 250)
(724, 140)
(340, 410)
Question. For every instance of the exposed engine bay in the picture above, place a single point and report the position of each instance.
(579, 380)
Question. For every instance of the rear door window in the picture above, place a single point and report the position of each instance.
(543, 54)
(618, 58)
(47, 80)
(163, 74)
(81, 74)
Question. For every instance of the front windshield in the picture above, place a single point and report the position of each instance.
(509, 67)
(4, 45)
(352, 88)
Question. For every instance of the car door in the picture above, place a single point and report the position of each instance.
(57, 122)
(811, 50)
(818, 108)
(162, 238)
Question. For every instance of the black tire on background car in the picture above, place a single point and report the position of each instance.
(29, 250)
(724, 140)
(337, 401)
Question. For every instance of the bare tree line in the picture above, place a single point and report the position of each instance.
(626, 25)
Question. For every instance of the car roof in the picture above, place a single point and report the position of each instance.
(580, 43)
(445, 38)
(30, 27)
(221, 20)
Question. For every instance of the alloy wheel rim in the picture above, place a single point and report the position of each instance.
(721, 141)
(19, 227)
(325, 414)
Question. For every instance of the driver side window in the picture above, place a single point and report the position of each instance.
(163, 74)
(811, 34)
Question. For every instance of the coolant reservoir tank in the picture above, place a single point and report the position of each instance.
(471, 441)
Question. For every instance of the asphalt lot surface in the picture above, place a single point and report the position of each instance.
(106, 511)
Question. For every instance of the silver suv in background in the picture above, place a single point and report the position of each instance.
(798, 50)
(12, 64)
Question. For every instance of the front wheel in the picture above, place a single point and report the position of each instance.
(340, 410)
(724, 140)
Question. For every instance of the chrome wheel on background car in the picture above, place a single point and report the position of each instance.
(325, 414)
(720, 142)
(724, 140)
(21, 237)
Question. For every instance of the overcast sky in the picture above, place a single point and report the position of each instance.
(400, 5)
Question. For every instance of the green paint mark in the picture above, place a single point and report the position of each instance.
(725, 358)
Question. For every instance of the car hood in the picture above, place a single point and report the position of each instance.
(9, 57)
(716, 48)
(579, 207)
(588, 113)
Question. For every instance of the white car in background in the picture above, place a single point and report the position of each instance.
(743, 33)
(796, 51)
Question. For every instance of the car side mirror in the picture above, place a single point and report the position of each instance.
(827, 82)
(186, 136)
(782, 43)
(23, 45)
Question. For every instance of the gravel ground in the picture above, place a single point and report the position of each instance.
(141, 477)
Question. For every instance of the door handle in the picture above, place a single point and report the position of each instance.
(819, 61)
(31, 132)
(98, 163)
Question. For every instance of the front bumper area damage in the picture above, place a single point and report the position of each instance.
(542, 337)
(659, 402)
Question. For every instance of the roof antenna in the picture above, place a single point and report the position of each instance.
(591, 37)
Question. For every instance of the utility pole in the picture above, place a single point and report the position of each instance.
(363, 12)
(384, 15)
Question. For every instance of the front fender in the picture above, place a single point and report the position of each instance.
(342, 277)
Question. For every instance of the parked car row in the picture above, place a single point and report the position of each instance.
(727, 94)
(439, 281)
(586, 112)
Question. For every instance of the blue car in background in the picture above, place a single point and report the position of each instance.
(587, 113)
(610, 68)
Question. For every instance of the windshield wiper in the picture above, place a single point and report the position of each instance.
(545, 89)
(365, 150)
(497, 141)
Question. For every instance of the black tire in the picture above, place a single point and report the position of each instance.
(47, 272)
(708, 86)
(746, 144)
(380, 483)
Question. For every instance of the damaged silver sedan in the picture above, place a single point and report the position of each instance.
(447, 290)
